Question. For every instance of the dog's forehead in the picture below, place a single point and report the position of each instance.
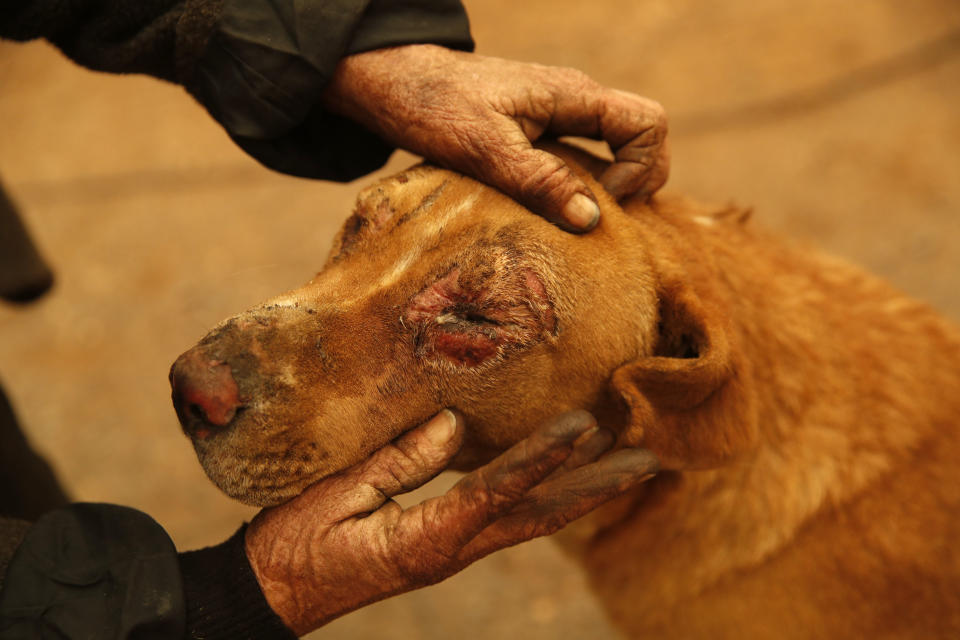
(425, 213)
(422, 194)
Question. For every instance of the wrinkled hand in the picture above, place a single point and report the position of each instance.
(478, 115)
(344, 543)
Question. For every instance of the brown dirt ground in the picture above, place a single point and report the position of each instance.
(159, 227)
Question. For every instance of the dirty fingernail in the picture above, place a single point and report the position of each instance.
(582, 212)
(568, 427)
(441, 427)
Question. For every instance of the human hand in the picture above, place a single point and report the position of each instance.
(478, 115)
(344, 543)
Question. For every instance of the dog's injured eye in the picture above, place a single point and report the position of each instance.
(469, 322)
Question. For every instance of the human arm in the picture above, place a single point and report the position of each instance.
(257, 66)
(345, 543)
(324, 90)
(339, 546)
(478, 115)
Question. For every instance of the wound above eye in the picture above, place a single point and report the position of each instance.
(435, 300)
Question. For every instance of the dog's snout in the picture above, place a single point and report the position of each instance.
(205, 394)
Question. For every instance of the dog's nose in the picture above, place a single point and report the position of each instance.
(205, 394)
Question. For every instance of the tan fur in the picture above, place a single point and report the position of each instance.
(804, 411)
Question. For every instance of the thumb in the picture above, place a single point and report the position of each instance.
(408, 462)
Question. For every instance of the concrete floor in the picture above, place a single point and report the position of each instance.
(839, 123)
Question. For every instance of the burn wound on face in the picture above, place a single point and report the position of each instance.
(375, 212)
(538, 296)
(371, 214)
(432, 301)
(471, 320)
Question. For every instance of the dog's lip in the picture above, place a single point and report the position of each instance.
(255, 488)
(196, 428)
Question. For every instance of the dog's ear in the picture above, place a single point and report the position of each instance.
(692, 400)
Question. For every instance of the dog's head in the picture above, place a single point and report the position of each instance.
(442, 292)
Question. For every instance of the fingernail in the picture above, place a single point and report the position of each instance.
(441, 427)
(570, 426)
(582, 212)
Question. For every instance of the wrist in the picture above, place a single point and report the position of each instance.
(374, 87)
(278, 588)
(223, 596)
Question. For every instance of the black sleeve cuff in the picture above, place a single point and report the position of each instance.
(263, 71)
(391, 23)
(223, 597)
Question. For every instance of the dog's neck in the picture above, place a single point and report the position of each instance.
(833, 357)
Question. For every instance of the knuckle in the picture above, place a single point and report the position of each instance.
(635, 121)
(435, 556)
(661, 123)
(477, 495)
(401, 466)
(576, 79)
(546, 176)
(508, 489)
(487, 493)
(439, 548)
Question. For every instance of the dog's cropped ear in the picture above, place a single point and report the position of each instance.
(691, 401)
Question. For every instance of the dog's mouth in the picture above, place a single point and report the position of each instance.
(263, 478)
(227, 423)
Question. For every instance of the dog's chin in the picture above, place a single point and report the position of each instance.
(255, 482)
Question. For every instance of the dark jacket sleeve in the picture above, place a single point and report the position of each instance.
(104, 571)
(258, 66)
(223, 597)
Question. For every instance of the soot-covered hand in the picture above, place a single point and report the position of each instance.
(345, 543)
(478, 115)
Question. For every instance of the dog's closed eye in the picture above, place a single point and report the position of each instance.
(469, 321)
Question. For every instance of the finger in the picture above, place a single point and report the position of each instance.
(625, 178)
(587, 449)
(538, 180)
(561, 500)
(407, 463)
(635, 128)
(496, 488)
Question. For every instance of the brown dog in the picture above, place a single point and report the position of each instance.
(805, 412)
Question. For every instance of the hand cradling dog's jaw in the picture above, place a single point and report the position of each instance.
(439, 292)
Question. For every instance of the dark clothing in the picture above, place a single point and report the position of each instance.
(259, 67)
(261, 76)
(103, 571)
(88, 569)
